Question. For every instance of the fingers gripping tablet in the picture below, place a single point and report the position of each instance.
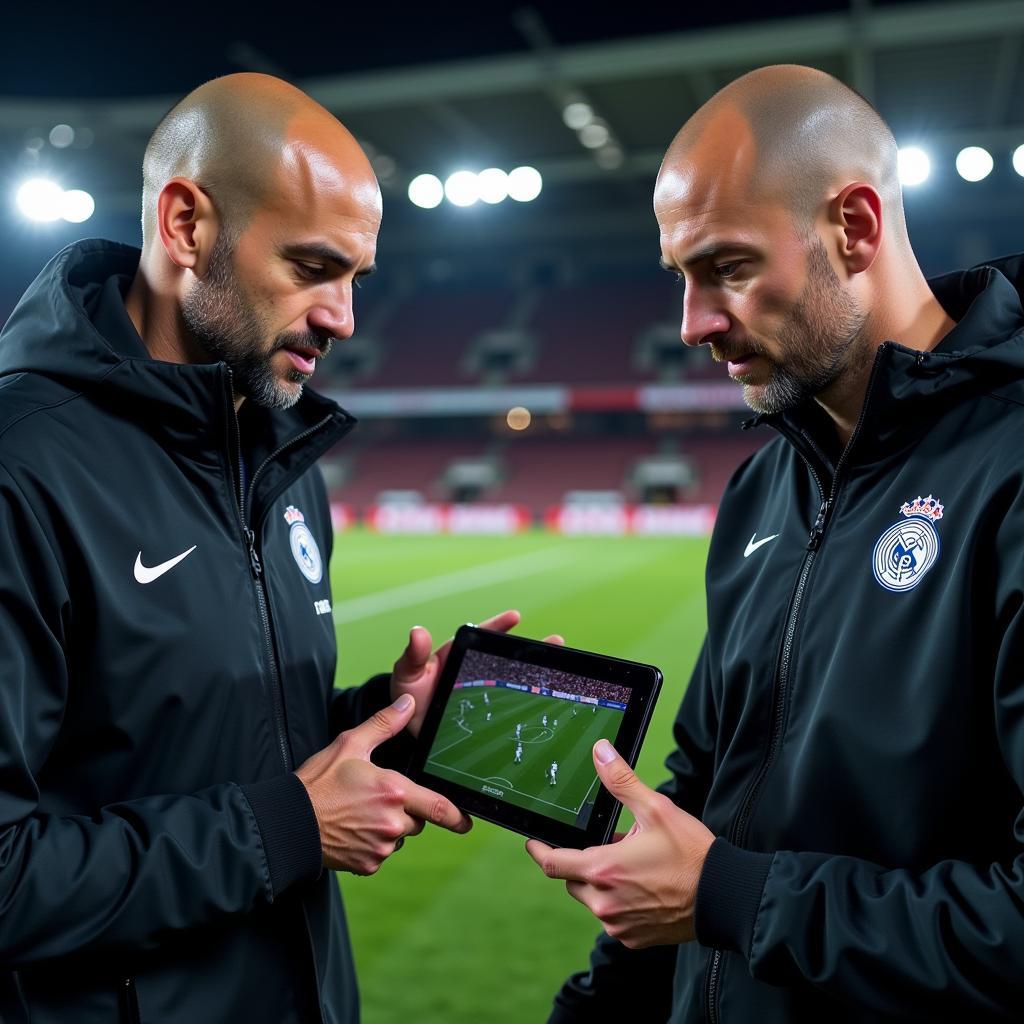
(510, 730)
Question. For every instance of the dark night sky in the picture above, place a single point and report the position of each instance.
(58, 50)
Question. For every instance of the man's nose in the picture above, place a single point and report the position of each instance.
(703, 318)
(333, 316)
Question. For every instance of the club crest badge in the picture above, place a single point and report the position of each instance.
(303, 545)
(910, 547)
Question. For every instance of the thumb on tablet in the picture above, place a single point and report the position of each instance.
(382, 725)
(620, 780)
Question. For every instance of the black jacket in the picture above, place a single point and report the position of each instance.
(854, 729)
(158, 860)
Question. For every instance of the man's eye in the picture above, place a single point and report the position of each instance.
(727, 270)
(309, 271)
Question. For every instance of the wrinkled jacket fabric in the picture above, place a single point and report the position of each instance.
(853, 733)
(158, 859)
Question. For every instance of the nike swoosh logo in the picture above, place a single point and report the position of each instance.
(752, 547)
(145, 574)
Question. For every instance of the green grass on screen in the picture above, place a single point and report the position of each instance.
(466, 929)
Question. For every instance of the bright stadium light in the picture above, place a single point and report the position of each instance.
(524, 184)
(426, 191)
(40, 200)
(974, 163)
(1018, 160)
(76, 206)
(492, 185)
(462, 188)
(594, 135)
(61, 136)
(914, 165)
(576, 115)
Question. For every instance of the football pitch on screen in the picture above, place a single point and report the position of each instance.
(466, 929)
(477, 746)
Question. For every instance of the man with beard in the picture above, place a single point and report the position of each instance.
(842, 836)
(176, 770)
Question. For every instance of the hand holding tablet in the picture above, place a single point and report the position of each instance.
(509, 733)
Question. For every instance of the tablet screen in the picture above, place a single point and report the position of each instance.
(523, 733)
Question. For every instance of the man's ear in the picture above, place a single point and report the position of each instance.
(188, 224)
(856, 213)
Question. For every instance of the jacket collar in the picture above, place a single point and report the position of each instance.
(909, 390)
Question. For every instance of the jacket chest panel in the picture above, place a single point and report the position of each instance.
(882, 715)
(168, 649)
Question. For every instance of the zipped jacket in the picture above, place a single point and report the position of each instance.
(853, 733)
(167, 652)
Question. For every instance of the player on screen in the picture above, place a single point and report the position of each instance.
(518, 759)
(553, 773)
(544, 720)
(519, 729)
(488, 717)
(487, 699)
(554, 724)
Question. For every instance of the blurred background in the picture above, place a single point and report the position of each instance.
(532, 431)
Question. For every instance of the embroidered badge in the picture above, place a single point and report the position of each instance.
(910, 547)
(304, 549)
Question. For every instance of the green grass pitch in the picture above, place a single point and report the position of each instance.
(479, 753)
(466, 929)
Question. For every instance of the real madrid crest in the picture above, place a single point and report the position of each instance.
(910, 547)
(304, 549)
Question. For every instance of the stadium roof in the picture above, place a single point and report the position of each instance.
(432, 92)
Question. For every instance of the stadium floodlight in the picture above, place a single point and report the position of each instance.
(492, 185)
(576, 115)
(594, 135)
(76, 206)
(426, 191)
(524, 184)
(1018, 160)
(914, 165)
(462, 188)
(974, 163)
(40, 200)
(610, 157)
(61, 136)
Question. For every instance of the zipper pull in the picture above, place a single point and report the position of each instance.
(818, 528)
(254, 559)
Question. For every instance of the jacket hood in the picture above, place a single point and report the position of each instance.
(51, 332)
(909, 389)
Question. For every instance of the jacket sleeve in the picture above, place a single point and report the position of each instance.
(945, 941)
(608, 990)
(127, 873)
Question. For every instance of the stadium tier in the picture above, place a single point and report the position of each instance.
(588, 333)
(593, 332)
(535, 473)
(428, 334)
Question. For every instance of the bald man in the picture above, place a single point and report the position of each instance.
(176, 770)
(842, 836)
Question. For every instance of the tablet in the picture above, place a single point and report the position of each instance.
(509, 734)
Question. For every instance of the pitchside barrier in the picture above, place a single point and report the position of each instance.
(497, 520)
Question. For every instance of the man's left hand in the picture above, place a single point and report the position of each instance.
(643, 886)
(417, 670)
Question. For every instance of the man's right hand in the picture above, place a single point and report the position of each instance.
(365, 812)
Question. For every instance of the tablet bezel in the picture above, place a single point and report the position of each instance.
(643, 681)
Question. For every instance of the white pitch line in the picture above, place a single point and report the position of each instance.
(520, 792)
(461, 739)
(592, 785)
(474, 578)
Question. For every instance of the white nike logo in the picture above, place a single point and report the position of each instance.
(752, 547)
(146, 575)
